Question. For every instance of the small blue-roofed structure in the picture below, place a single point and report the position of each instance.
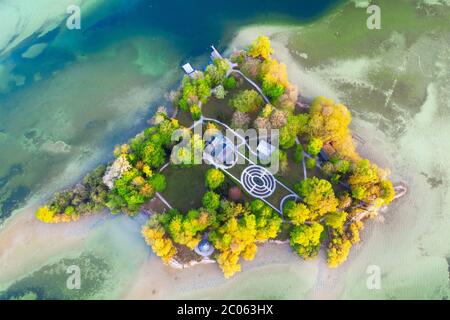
(204, 248)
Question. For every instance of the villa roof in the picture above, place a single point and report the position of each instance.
(187, 68)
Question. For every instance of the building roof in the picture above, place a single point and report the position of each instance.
(204, 248)
(187, 68)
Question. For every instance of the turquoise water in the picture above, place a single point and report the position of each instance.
(62, 110)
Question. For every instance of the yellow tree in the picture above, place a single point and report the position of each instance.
(261, 48)
(329, 122)
(155, 236)
(318, 195)
(45, 214)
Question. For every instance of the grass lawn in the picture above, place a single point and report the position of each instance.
(185, 186)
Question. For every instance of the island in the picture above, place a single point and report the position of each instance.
(244, 159)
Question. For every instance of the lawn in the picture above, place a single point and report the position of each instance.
(185, 186)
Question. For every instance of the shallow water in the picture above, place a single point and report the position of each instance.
(397, 88)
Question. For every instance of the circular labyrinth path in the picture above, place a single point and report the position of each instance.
(258, 181)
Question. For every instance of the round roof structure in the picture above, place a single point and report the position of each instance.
(204, 248)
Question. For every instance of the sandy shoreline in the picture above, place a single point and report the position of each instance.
(26, 243)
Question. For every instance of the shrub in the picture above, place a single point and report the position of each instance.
(310, 163)
(220, 92)
(214, 178)
(272, 90)
(314, 146)
(247, 101)
(195, 111)
(211, 200)
(230, 83)
(298, 155)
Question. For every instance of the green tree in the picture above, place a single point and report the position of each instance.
(298, 213)
(305, 240)
(230, 83)
(214, 178)
(298, 155)
(318, 195)
(195, 111)
(268, 222)
(314, 146)
(336, 219)
(272, 90)
(310, 163)
(211, 200)
(247, 101)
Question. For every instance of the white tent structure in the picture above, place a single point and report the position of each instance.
(265, 150)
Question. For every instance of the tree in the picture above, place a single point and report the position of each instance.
(338, 249)
(195, 111)
(251, 67)
(305, 240)
(365, 183)
(220, 92)
(211, 200)
(298, 213)
(151, 154)
(310, 163)
(214, 178)
(267, 111)
(278, 119)
(314, 146)
(214, 74)
(234, 238)
(387, 191)
(186, 229)
(274, 73)
(336, 219)
(222, 66)
(158, 182)
(230, 83)
(272, 90)
(45, 214)
(268, 222)
(329, 122)
(261, 123)
(240, 120)
(294, 126)
(247, 101)
(318, 195)
(288, 99)
(155, 236)
(261, 48)
(298, 155)
(283, 161)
